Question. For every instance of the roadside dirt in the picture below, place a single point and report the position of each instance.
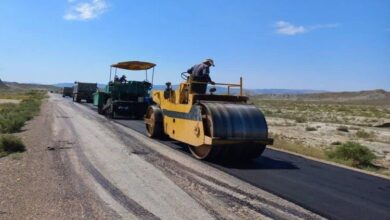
(13, 101)
(41, 184)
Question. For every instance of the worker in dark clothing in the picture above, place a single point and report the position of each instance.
(123, 79)
(116, 79)
(201, 73)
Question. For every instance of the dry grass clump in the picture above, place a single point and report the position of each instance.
(301, 119)
(279, 142)
(308, 128)
(343, 128)
(10, 144)
(13, 116)
(353, 154)
(365, 135)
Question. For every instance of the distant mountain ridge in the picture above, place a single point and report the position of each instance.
(373, 97)
(3, 85)
(27, 86)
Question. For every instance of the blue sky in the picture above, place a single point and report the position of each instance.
(293, 44)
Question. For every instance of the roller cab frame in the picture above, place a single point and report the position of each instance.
(128, 99)
(215, 126)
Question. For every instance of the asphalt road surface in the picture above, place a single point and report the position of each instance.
(330, 191)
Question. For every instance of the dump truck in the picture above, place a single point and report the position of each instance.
(67, 91)
(84, 91)
(126, 99)
(215, 127)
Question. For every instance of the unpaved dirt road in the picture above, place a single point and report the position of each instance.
(87, 167)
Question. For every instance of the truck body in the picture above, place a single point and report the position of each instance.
(82, 90)
(129, 99)
(123, 98)
(67, 91)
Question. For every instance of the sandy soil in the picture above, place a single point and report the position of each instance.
(326, 134)
(97, 169)
(13, 101)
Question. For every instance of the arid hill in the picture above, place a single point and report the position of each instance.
(371, 97)
(28, 86)
(3, 86)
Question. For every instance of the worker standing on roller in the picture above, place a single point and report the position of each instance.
(123, 79)
(201, 73)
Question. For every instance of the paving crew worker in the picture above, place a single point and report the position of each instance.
(116, 79)
(201, 73)
(123, 79)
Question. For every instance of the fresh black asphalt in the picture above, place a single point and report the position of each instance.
(330, 191)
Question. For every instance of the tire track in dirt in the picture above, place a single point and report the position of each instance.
(130, 205)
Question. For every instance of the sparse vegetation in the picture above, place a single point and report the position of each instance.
(338, 118)
(13, 116)
(308, 128)
(303, 110)
(10, 144)
(343, 128)
(279, 142)
(363, 134)
(300, 120)
(353, 154)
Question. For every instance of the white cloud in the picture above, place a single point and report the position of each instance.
(286, 28)
(85, 10)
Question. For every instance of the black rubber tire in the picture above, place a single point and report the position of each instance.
(100, 111)
(155, 130)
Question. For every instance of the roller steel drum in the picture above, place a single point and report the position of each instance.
(231, 121)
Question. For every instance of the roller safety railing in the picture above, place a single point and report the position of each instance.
(229, 85)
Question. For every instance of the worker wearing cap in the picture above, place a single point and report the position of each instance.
(201, 73)
(123, 79)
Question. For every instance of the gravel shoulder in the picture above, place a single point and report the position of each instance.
(42, 184)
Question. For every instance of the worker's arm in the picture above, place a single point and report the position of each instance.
(206, 74)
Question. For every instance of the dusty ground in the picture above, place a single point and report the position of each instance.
(79, 165)
(326, 135)
(325, 122)
(41, 184)
(13, 101)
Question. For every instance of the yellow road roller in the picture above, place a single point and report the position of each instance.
(218, 126)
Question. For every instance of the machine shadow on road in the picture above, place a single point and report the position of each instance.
(261, 163)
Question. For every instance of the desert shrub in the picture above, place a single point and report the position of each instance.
(10, 144)
(355, 153)
(364, 134)
(301, 119)
(13, 116)
(267, 112)
(308, 128)
(343, 128)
